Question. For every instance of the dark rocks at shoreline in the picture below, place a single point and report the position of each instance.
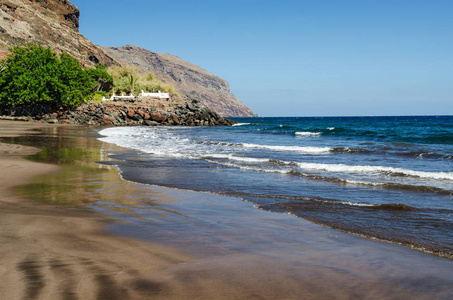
(120, 114)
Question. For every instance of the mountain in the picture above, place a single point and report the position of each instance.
(55, 23)
(187, 78)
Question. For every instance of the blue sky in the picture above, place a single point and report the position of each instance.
(299, 58)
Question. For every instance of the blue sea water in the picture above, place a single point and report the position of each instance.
(389, 178)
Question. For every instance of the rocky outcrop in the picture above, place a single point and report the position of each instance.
(53, 23)
(189, 79)
(121, 114)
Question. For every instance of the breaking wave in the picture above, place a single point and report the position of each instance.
(307, 133)
(303, 149)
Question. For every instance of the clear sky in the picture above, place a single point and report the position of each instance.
(299, 58)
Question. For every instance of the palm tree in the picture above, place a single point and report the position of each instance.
(132, 81)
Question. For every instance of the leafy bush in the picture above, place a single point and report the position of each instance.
(34, 75)
(101, 93)
(102, 77)
(98, 95)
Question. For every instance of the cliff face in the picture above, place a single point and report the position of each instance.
(189, 79)
(53, 23)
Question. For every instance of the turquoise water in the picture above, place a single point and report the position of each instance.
(389, 178)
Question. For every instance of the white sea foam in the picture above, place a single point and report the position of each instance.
(307, 133)
(237, 158)
(147, 140)
(170, 143)
(341, 168)
(358, 204)
(166, 142)
(302, 149)
(238, 162)
(249, 168)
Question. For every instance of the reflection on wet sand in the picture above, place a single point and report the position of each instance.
(234, 250)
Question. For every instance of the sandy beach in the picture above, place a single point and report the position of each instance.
(48, 252)
(196, 246)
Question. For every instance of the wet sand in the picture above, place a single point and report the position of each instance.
(187, 245)
(51, 252)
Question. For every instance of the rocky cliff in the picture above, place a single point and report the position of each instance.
(53, 23)
(187, 78)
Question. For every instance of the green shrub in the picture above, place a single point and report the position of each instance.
(101, 93)
(98, 95)
(34, 75)
(102, 77)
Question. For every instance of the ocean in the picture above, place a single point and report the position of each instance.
(385, 178)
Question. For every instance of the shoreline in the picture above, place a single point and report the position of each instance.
(53, 252)
(197, 245)
(140, 112)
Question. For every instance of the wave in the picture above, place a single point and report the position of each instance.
(259, 165)
(240, 124)
(382, 185)
(393, 207)
(384, 206)
(298, 198)
(349, 150)
(236, 158)
(341, 168)
(390, 171)
(423, 154)
(174, 145)
(302, 149)
(307, 133)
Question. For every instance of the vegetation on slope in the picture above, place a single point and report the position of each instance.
(33, 75)
(128, 79)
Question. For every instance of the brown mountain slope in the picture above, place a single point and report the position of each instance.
(53, 23)
(189, 79)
